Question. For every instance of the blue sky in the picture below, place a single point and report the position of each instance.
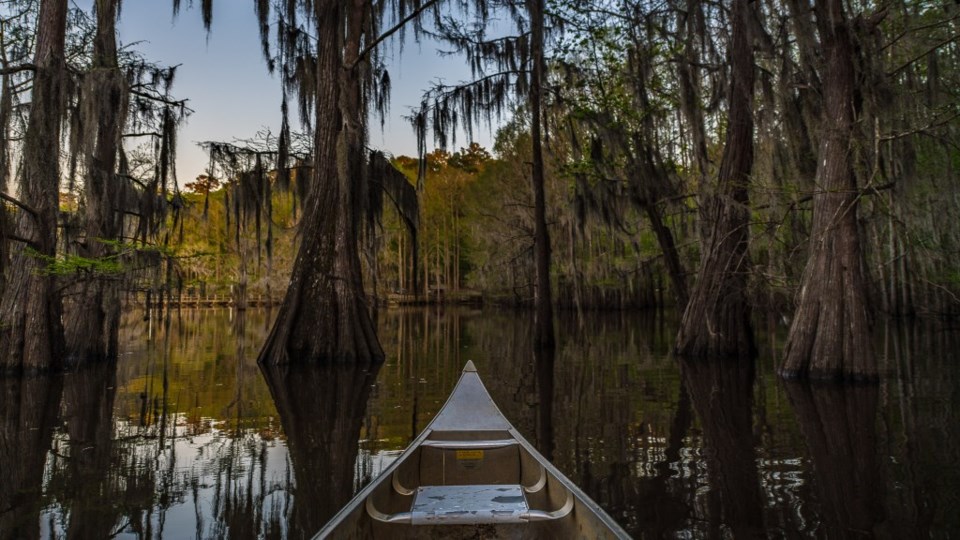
(232, 94)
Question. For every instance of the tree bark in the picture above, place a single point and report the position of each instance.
(31, 333)
(717, 319)
(830, 334)
(324, 316)
(92, 320)
(544, 336)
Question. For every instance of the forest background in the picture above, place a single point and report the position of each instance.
(792, 157)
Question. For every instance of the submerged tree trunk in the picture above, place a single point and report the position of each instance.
(31, 333)
(544, 336)
(324, 316)
(717, 319)
(92, 319)
(830, 334)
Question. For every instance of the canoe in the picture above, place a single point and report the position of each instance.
(470, 474)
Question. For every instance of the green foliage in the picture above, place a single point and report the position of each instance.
(114, 265)
(445, 236)
(214, 252)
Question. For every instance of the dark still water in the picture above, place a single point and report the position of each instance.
(187, 438)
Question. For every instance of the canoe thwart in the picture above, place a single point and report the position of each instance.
(470, 445)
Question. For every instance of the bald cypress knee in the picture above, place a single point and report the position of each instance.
(31, 333)
(830, 333)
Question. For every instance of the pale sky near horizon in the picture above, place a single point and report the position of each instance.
(230, 90)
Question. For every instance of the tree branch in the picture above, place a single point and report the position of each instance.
(181, 103)
(908, 63)
(17, 69)
(18, 238)
(21, 204)
(413, 15)
(143, 134)
(443, 91)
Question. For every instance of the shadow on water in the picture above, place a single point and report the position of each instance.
(322, 410)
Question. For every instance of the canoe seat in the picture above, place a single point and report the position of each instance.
(468, 505)
(470, 482)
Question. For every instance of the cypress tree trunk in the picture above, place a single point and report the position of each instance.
(717, 319)
(31, 333)
(544, 334)
(92, 319)
(324, 316)
(830, 334)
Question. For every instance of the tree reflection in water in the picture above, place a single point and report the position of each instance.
(839, 424)
(90, 484)
(322, 410)
(722, 394)
(28, 412)
(200, 443)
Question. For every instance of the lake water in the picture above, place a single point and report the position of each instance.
(186, 438)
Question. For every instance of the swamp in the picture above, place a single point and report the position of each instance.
(183, 436)
(703, 255)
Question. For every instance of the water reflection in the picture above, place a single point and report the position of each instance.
(90, 487)
(28, 410)
(321, 411)
(721, 392)
(186, 437)
(544, 361)
(839, 424)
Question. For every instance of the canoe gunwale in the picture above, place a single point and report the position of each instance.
(492, 430)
